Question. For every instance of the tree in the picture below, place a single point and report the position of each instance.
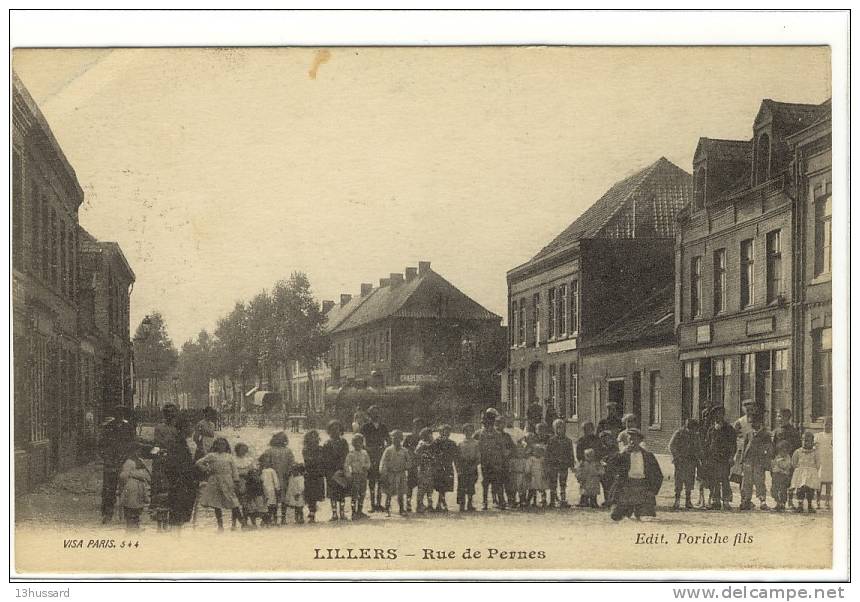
(234, 349)
(197, 366)
(154, 354)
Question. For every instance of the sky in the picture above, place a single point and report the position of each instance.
(220, 171)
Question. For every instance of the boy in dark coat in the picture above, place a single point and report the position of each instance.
(720, 448)
(637, 481)
(376, 437)
(608, 453)
(755, 458)
(496, 446)
(559, 460)
(444, 454)
(684, 447)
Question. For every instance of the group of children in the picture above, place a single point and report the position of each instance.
(716, 454)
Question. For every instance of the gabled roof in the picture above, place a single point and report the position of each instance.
(661, 190)
(650, 322)
(723, 150)
(792, 116)
(427, 295)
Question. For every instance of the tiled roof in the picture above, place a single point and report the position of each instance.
(339, 313)
(428, 295)
(647, 201)
(796, 116)
(651, 321)
(725, 150)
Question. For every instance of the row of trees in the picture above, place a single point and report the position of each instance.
(276, 327)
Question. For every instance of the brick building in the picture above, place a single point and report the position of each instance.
(59, 374)
(812, 270)
(634, 363)
(617, 253)
(735, 245)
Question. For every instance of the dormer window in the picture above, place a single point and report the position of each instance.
(699, 189)
(762, 159)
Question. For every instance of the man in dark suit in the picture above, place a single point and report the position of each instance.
(638, 480)
(116, 435)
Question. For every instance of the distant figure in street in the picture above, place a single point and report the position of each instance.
(165, 430)
(357, 466)
(720, 448)
(271, 490)
(805, 480)
(496, 447)
(536, 475)
(282, 461)
(376, 439)
(588, 440)
(756, 456)
(115, 439)
(359, 419)
(204, 431)
(612, 422)
(685, 450)
(628, 421)
(335, 451)
(444, 455)
(250, 491)
(559, 460)
(515, 432)
(517, 482)
(550, 414)
(134, 486)
(180, 474)
(637, 482)
(312, 455)
(589, 474)
(222, 480)
(468, 458)
(786, 431)
(409, 444)
(392, 472)
(425, 464)
(534, 415)
(824, 447)
(780, 470)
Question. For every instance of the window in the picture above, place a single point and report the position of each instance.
(521, 322)
(562, 388)
(551, 314)
(822, 401)
(696, 287)
(747, 273)
(573, 393)
(690, 406)
(699, 192)
(536, 319)
(655, 399)
(719, 280)
(721, 372)
(512, 387)
(774, 266)
(512, 323)
(762, 158)
(522, 388)
(779, 382)
(823, 228)
(562, 309)
(747, 377)
(17, 209)
(553, 384)
(574, 307)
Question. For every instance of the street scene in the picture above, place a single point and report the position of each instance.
(276, 297)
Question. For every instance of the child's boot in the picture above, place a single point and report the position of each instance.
(688, 503)
(677, 504)
(563, 497)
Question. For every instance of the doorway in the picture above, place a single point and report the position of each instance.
(616, 393)
(535, 378)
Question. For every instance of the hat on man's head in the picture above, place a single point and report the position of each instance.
(635, 432)
(717, 411)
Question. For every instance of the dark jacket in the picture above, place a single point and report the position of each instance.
(559, 452)
(588, 442)
(721, 444)
(314, 473)
(787, 432)
(182, 480)
(115, 439)
(653, 474)
(496, 447)
(685, 447)
(758, 448)
(376, 439)
(610, 423)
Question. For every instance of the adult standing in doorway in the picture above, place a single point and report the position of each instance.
(534, 416)
(376, 439)
(612, 422)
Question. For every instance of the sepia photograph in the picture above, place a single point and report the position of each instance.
(322, 309)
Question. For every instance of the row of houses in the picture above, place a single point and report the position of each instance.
(414, 329)
(70, 307)
(675, 292)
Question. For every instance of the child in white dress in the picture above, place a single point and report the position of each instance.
(824, 447)
(295, 496)
(271, 489)
(805, 480)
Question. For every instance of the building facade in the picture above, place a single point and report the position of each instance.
(734, 269)
(60, 381)
(615, 254)
(414, 328)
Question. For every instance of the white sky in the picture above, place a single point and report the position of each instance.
(220, 171)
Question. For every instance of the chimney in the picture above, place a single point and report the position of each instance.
(344, 299)
(366, 288)
(384, 282)
(396, 279)
(411, 274)
(423, 267)
(327, 306)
